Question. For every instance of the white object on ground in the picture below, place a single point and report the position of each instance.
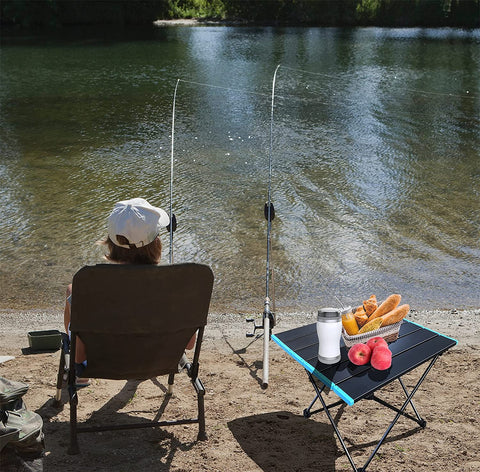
(6, 358)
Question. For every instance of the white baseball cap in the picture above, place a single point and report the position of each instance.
(136, 220)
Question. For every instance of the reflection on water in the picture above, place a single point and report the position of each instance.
(376, 163)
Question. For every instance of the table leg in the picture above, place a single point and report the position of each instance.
(421, 421)
(400, 412)
(308, 411)
(332, 421)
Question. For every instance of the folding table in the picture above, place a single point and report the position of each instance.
(416, 345)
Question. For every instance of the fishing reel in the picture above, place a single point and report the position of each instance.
(266, 314)
(255, 327)
(269, 211)
(261, 325)
(173, 223)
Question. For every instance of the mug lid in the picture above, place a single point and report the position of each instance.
(329, 314)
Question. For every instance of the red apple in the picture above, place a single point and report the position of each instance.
(377, 341)
(359, 354)
(381, 358)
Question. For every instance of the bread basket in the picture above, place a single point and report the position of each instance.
(389, 333)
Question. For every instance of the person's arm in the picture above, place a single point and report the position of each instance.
(191, 343)
(66, 311)
(80, 351)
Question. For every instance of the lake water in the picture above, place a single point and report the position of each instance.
(375, 159)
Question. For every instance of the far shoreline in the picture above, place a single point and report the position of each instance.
(199, 22)
(211, 22)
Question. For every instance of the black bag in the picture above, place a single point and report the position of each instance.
(22, 442)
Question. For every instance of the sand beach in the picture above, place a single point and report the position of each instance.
(250, 429)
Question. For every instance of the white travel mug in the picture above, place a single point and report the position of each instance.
(329, 330)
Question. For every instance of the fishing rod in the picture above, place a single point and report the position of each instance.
(172, 226)
(268, 319)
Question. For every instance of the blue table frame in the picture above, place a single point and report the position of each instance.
(416, 345)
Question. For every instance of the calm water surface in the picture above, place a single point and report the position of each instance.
(376, 159)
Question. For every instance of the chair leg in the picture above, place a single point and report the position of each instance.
(171, 379)
(202, 435)
(72, 393)
(61, 371)
(73, 448)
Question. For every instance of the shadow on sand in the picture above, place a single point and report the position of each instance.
(294, 443)
(113, 450)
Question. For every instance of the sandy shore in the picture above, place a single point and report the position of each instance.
(463, 325)
(251, 429)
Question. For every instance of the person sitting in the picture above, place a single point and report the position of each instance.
(133, 229)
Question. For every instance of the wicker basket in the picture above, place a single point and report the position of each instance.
(389, 333)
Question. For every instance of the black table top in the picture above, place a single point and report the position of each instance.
(414, 346)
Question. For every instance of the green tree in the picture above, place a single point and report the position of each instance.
(196, 9)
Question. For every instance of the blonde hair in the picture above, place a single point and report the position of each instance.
(149, 254)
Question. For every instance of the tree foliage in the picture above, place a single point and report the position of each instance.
(51, 13)
(196, 9)
(464, 13)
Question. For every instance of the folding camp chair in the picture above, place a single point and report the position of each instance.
(415, 346)
(135, 322)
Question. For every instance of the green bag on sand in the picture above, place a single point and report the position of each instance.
(11, 391)
(21, 431)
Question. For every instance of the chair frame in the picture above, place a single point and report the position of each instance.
(67, 366)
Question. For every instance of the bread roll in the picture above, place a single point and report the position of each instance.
(370, 305)
(360, 316)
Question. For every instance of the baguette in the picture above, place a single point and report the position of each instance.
(388, 305)
(395, 315)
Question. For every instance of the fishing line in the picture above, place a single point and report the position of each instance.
(292, 97)
(269, 209)
(173, 221)
(442, 94)
(317, 102)
(224, 88)
(310, 72)
(337, 77)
